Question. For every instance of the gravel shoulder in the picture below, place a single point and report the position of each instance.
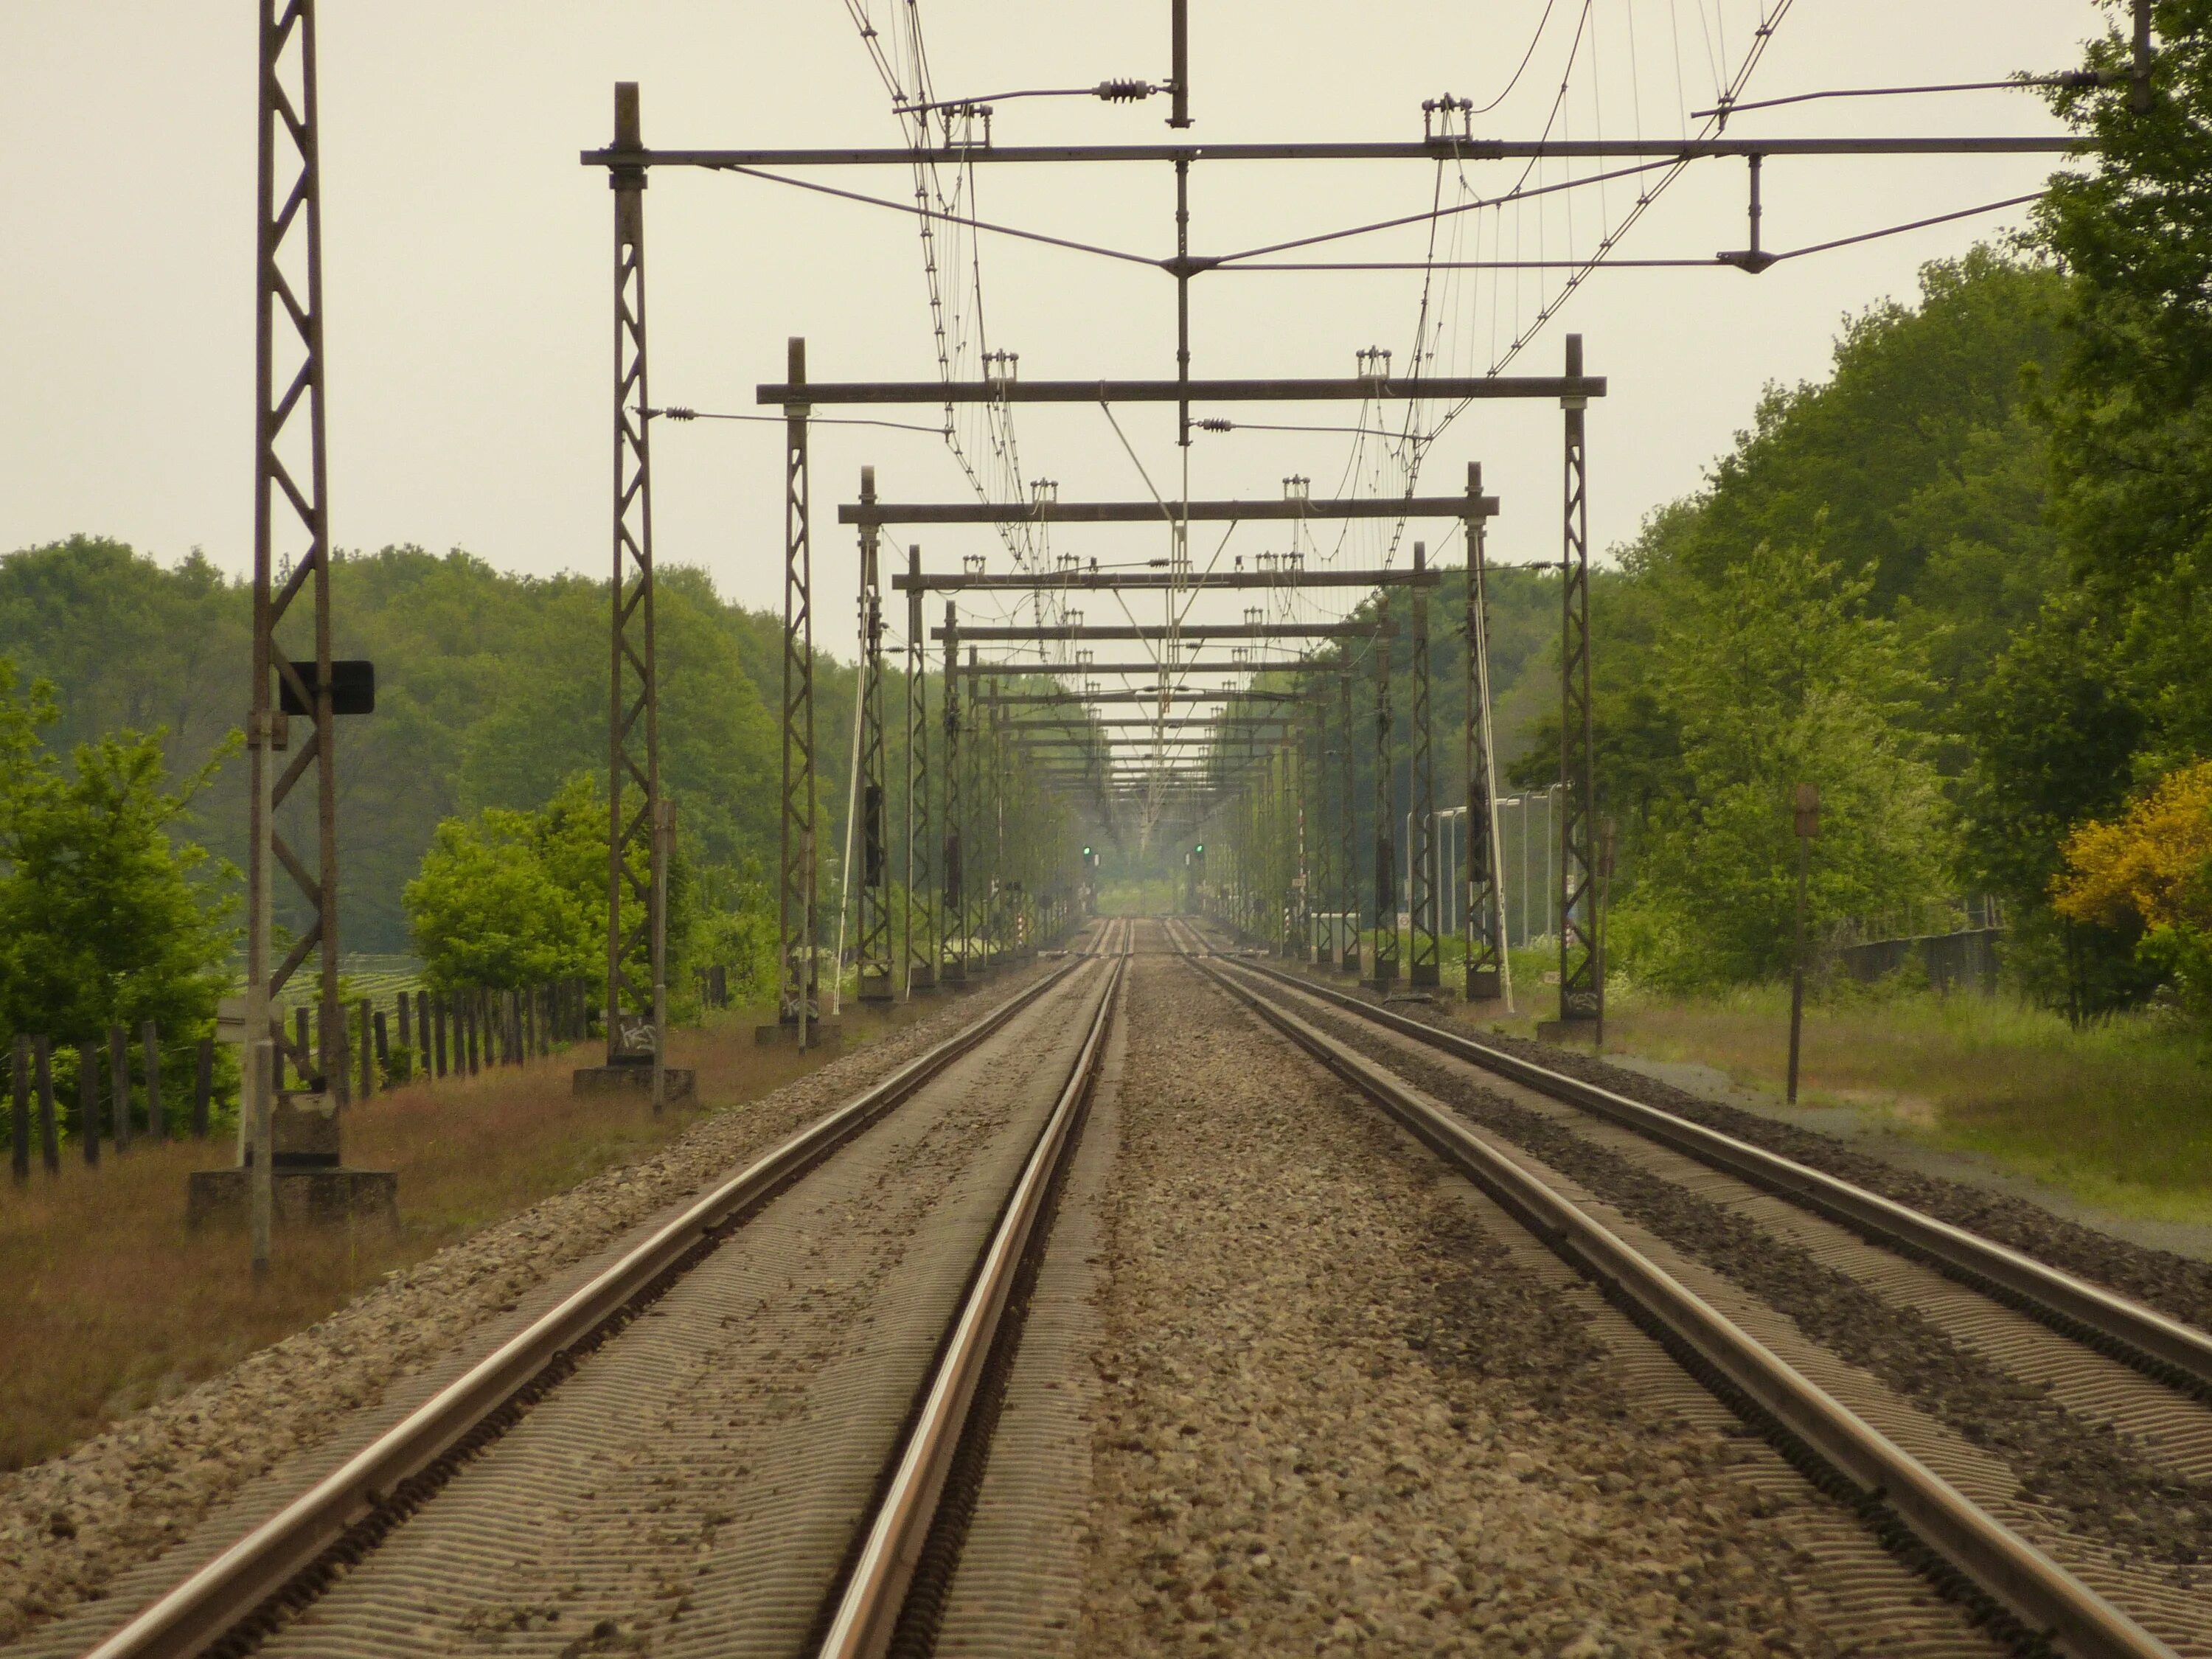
(2179, 1286)
(1343, 1410)
(84, 1526)
(2110, 1485)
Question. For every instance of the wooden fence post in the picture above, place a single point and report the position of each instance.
(368, 1055)
(118, 1069)
(438, 1015)
(472, 1020)
(299, 1037)
(383, 1048)
(406, 1037)
(19, 1127)
(157, 1122)
(50, 1137)
(528, 994)
(87, 1101)
(337, 1053)
(203, 1088)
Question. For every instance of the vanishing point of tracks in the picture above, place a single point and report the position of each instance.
(2120, 1380)
(811, 1358)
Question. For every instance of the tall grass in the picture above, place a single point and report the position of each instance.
(107, 1302)
(2119, 1114)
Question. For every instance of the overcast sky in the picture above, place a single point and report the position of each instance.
(467, 256)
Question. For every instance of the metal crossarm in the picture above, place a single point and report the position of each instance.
(1355, 389)
(1294, 510)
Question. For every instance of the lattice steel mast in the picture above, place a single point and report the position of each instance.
(1422, 966)
(921, 943)
(1384, 972)
(1485, 919)
(1582, 987)
(636, 881)
(952, 901)
(290, 230)
(798, 998)
(873, 939)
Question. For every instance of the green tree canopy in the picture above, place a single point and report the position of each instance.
(111, 916)
(1775, 675)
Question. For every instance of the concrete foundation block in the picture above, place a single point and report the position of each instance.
(682, 1083)
(820, 1034)
(305, 1198)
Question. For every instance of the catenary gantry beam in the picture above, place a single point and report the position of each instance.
(1335, 630)
(1076, 671)
(1427, 149)
(1034, 699)
(1148, 580)
(1354, 389)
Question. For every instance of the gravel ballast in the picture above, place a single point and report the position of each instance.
(1340, 1414)
(2175, 1285)
(2108, 1486)
(70, 1527)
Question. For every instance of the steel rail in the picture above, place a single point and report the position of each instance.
(2045, 1599)
(2175, 1353)
(868, 1610)
(236, 1584)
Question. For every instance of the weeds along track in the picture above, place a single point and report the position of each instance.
(2039, 1446)
(804, 1364)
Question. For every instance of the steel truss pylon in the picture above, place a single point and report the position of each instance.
(952, 901)
(873, 939)
(1582, 988)
(921, 899)
(635, 878)
(798, 1001)
(1383, 971)
(1422, 965)
(1347, 863)
(1483, 897)
(995, 932)
(1322, 874)
(1305, 741)
(289, 419)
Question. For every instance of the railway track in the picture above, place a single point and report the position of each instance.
(1613, 1186)
(815, 1347)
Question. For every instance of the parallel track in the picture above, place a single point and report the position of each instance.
(2046, 1606)
(284, 1564)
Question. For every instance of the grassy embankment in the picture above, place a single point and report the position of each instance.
(2117, 1115)
(107, 1302)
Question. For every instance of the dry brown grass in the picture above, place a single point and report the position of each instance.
(107, 1302)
